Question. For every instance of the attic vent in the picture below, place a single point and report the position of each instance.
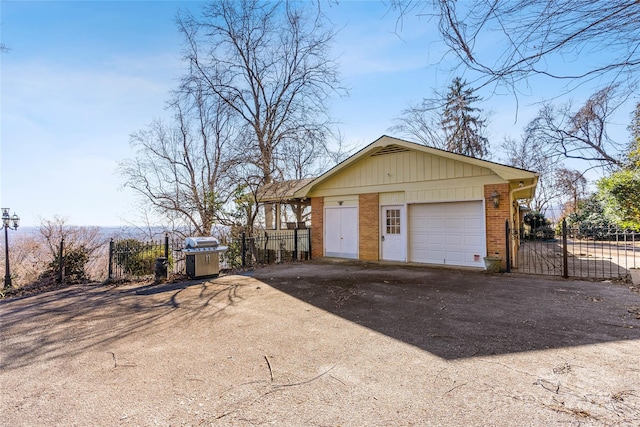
(390, 149)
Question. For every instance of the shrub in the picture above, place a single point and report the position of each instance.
(535, 220)
(75, 262)
(545, 232)
(233, 255)
(137, 258)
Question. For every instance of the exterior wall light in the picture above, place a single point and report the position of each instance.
(495, 197)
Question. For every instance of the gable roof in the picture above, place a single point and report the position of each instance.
(282, 190)
(389, 145)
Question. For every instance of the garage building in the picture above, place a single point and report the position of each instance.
(400, 201)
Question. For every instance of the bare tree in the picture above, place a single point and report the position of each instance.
(335, 153)
(84, 248)
(56, 229)
(269, 63)
(582, 134)
(529, 37)
(28, 257)
(532, 153)
(185, 171)
(572, 186)
(298, 161)
(422, 123)
(560, 133)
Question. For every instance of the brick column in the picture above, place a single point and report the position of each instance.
(495, 220)
(317, 227)
(369, 227)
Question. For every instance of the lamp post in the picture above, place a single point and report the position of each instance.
(7, 220)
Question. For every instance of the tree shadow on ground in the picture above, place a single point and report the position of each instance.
(77, 319)
(461, 314)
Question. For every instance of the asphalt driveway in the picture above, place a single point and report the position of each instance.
(325, 344)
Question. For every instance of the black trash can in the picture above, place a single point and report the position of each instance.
(161, 268)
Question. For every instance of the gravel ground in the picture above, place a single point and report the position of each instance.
(325, 344)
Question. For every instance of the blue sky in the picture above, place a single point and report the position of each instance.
(81, 76)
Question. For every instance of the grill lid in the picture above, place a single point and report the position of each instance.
(200, 242)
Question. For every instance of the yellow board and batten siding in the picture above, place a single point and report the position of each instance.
(395, 198)
(409, 177)
(344, 200)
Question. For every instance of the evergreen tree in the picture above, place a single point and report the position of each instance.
(634, 145)
(462, 123)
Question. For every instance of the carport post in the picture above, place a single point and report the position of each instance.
(508, 243)
(565, 257)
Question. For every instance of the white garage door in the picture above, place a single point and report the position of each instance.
(447, 233)
(341, 232)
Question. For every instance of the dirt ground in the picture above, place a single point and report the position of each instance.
(325, 344)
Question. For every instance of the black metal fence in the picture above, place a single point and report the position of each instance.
(132, 258)
(577, 251)
(275, 247)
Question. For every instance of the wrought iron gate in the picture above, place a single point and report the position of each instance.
(577, 251)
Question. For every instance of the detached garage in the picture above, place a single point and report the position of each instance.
(400, 201)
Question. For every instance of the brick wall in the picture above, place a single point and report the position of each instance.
(317, 227)
(496, 218)
(369, 227)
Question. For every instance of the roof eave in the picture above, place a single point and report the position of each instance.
(508, 173)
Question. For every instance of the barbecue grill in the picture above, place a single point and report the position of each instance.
(202, 256)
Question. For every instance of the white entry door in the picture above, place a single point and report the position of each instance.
(341, 232)
(393, 233)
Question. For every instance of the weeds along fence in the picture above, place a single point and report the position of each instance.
(132, 258)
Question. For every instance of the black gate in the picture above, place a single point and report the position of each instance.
(576, 251)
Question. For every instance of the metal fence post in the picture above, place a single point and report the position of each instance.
(295, 244)
(243, 249)
(565, 253)
(61, 262)
(110, 270)
(166, 246)
(309, 241)
(633, 241)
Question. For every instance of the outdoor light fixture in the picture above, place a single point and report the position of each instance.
(7, 222)
(495, 197)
